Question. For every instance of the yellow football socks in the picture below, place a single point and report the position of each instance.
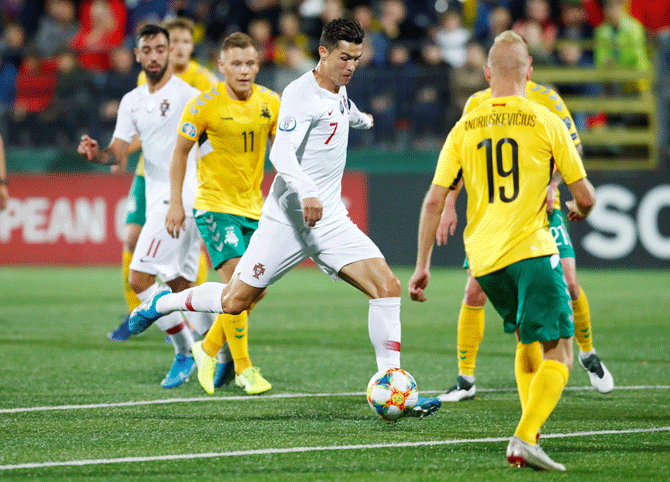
(527, 362)
(545, 392)
(215, 337)
(470, 334)
(580, 309)
(131, 298)
(203, 270)
(235, 328)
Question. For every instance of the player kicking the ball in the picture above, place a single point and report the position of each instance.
(304, 216)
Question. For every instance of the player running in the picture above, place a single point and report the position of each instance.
(182, 46)
(152, 113)
(232, 124)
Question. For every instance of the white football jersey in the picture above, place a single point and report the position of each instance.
(154, 117)
(310, 150)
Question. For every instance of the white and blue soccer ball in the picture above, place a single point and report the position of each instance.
(391, 392)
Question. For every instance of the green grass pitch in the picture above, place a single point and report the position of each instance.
(75, 406)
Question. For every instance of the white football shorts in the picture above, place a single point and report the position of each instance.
(276, 247)
(157, 253)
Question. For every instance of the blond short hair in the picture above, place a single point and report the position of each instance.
(510, 61)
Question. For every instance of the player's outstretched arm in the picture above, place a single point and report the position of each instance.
(584, 199)
(174, 219)
(115, 153)
(431, 211)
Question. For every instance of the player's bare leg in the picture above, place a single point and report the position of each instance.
(374, 278)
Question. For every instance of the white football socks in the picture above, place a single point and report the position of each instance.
(205, 298)
(384, 330)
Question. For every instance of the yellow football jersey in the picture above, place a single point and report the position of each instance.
(195, 75)
(232, 136)
(506, 149)
(543, 96)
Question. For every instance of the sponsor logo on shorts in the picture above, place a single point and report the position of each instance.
(259, 270)
(189, 130)
(287, 124)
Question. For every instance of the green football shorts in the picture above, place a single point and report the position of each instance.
(225, 235)
(136, 205)
(531, 295)
(559, 230)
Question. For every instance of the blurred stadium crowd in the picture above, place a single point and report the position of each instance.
(65, 64)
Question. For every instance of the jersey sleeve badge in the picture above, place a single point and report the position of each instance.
(189, 130)
(287, 124)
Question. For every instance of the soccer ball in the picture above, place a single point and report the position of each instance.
(391, 392)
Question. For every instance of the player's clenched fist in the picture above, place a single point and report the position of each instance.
(312, 210)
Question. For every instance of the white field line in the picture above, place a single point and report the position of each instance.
(312, 449)
(270, 397)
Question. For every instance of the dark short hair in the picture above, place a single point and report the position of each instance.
(341, 29)
(150, 30)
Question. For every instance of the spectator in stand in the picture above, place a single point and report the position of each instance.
(531, 31)
(451, 37)
(467, 80)
(141, 12)
(620, 42)
(574, 24)
(482, 23)
(290, 37)
(24, 12)
(375, 39)
(12, 44)
(317, 13)
(432, 98)
(500, 19)
(31, 123)
(295, 64)
(363, 89)
(260, 30)
(395, 87)
(121, 79)
(538, 19)
(57, 27)
(571, 55)
(8, 73)
(75, 100)
(11, 55)
(102, 26)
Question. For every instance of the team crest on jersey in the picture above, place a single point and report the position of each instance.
(259, 269)
(287, 124)
(568, 124)
(265, 112)
(231, 238)
(189, 130)
(341, 107)
(165, 105)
